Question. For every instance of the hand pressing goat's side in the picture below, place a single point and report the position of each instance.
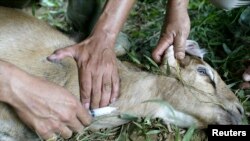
(194, 92)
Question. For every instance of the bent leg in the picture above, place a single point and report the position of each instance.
(82, 15)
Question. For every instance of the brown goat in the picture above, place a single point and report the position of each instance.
(195, 94)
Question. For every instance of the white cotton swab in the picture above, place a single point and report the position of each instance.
(102, 111)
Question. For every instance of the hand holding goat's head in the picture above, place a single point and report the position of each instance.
(201, 95)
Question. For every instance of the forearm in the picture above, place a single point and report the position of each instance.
(5, 78)
(176, 10)
(177, 5)
(12, 81)
(113, 17)
(175, 30)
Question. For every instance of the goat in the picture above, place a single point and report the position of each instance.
(195, 93)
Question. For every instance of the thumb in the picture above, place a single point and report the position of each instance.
(162, 46)
(179, 47)
(59, 54)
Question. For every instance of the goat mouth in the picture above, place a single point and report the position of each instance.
(235, 117)
(230, 117)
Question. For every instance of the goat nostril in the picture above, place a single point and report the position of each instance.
(235, 114)
(240, 109)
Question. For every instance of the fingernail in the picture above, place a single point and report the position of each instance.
(180, 55)
(86, 105)
(158, 59)
(51, 57)
(113, 100)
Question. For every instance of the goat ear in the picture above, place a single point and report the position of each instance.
(169, 62)
(169, 56)
(192, 48)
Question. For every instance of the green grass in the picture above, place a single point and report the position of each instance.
(216, 30)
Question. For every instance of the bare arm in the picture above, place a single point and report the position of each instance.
(98, 74)
(43, 106)
(175, 30)
(113, 16)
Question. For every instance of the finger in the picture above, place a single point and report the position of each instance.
(84, 116)
(115, 86)
(96, 90)
(45, 131)
(65, 132)
(75, 125)
(163, 44)
(179, 46)
(62, 53)
(246, 74)
(244, 85)
(106, 89)
(85, 82)
(49, 137)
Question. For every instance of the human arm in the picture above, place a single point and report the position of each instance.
(175, 30)
(43, 106)
(95, 57)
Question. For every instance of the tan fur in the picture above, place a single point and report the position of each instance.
(26, 42)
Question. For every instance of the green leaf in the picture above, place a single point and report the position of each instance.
(226, 49)
(137, 124)
(232, 84)
(168, 69)
(177, 135)
(123, 136)
(147, 121)
(48, 3)
(241, 94)
(128, 117)
(151, 61)
(134, 59)
(189, 134)
(153, 132)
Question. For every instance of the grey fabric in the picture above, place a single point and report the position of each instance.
(82, 14)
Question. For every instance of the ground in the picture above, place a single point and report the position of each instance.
(219, 31)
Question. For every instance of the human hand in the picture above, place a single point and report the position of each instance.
(45, 107)
(96, 60)
(98, 74)
(246, 76)
(175, 32)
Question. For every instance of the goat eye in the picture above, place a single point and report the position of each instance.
(202, 70)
